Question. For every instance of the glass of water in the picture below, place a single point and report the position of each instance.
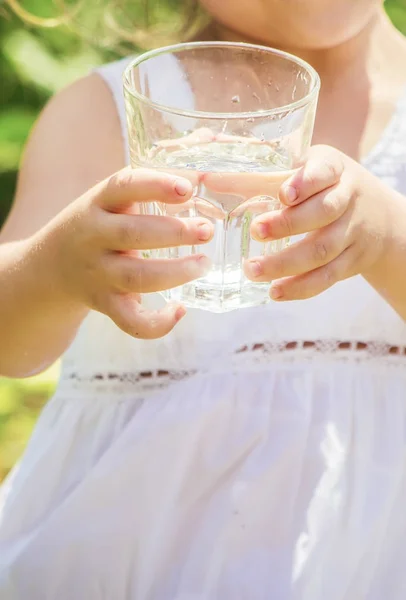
(236, 120)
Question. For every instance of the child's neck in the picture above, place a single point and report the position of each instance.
(371, 49)
(362, 81)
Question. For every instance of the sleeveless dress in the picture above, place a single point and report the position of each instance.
(254, 455)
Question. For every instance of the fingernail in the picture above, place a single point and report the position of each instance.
(254, 267)
(180, 313)
(276, 292)
(204, 232)
(261, 230)
(291, 194)
(182, 187)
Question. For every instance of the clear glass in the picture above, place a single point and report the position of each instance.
(236, 120)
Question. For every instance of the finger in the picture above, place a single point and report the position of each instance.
(311, 252)
(128, 273)
(204, 208)
(322, 170)
(320, 210)
(315, 282)
(200, 136)
(130, 316)
(130, 186)
(203, 135)
(195, 206)
(139, 232)
(246, 140)
(245, 184)
(207, 209)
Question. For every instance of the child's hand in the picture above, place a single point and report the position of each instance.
(347, 213)
(95, 245)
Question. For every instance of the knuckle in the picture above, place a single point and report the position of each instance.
(119, 181)
(334, 167)
(96, 233)
(286, 222)
(330, 274)
(325, 164)
(181, 233)
(320, 251)
(311, 178)
(275, 266)
(279, 267)
(130, 279)
(128, 235)
(91, 268)
(334, 202)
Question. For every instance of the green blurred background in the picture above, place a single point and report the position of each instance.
(35, 62)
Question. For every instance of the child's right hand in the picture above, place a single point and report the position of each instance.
(95, 242)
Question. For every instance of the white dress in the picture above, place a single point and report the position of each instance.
(253, 455)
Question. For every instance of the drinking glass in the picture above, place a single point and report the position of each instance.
(236, 120)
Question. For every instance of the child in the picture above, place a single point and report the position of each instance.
(252, 455)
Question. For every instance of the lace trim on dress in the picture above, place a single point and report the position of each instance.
(247, 357)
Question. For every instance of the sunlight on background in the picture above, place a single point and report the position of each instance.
(34, 64)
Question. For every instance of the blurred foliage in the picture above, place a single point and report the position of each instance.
(35, 62)
(20, 403)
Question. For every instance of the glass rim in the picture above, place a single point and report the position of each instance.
(257, 114)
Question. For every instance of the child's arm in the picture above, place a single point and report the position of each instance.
(388, 275)
(67, 153)
(60, 256)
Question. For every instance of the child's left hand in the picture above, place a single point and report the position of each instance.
(348, 214)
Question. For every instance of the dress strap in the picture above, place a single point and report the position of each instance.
(392, 144)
